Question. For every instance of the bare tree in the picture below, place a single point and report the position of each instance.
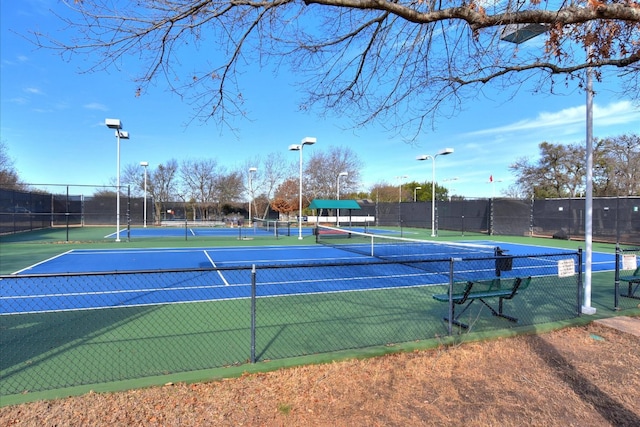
(162, 185)
(133, 176)
(9, 178)
(618, 161)
(228, 190)
(394, 62)
(271, 171)
(560, 170)
(198, 180)
(322, 171)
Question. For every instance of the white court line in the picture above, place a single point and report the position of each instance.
(214, 265)
(42, 262)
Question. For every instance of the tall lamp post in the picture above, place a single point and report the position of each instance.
(415, 193)
(338, 196)
(144, 165)
(433, 183)
(518, 34)
(251, 172)
(120, 134)
(298, 147)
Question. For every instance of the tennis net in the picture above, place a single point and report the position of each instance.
(399, 249)
(274, 227)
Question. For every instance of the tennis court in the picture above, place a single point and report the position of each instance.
(93, 316)
(164, 276)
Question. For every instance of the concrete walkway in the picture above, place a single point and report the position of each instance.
(629, 325)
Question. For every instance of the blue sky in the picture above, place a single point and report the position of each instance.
(52, 120)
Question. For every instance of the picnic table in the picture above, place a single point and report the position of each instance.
(633, 283)
(484, 291)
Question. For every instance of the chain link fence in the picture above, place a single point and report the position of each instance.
(66, 330)
(627, 278)
(615, 219)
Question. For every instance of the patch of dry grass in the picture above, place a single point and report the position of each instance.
(569, 377)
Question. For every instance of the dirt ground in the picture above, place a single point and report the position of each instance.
(584, 376)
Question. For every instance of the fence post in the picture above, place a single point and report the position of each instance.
(617, 279)
(579, 303)
(450, 316)
(253, 313)
(128, 213)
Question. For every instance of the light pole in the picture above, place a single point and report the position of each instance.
(298, 147)
(433, 183)
(518, 34)
(144, 165)
(415, 193)
(338, 196)
(251, 171)
(120, 134)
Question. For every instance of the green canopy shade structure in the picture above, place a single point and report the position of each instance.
(333, 204)
(320, 204)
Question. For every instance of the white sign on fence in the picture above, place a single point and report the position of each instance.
(566, 268)
(629, 262)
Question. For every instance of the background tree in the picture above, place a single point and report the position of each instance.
(228, 189)
(198, 180)
(9, 178)
(384, 192)
(556, 173)
(286, 200)
(617, 166)
(272, 170)
(162, 186)
(132, 175)
(560, 171)
(320, 178)
(383, 60)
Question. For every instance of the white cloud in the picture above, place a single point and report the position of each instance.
(614, 113)
(33, 91)
(19, 100)
(96, 106)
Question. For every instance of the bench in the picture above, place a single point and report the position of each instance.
(633, 282)
(483, 290)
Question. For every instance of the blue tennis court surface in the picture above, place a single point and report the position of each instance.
(79, 261)
(132, 287)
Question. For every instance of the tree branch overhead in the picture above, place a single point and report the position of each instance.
(370, 59)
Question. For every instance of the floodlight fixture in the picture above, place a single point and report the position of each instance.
(298, 147)
(113, 123)
(520, 33)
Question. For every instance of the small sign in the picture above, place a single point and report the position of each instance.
(566, 268)
(629, 262)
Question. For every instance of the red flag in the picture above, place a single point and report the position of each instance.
(490, 178)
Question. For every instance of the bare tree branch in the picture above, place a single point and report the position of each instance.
(402, 63)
